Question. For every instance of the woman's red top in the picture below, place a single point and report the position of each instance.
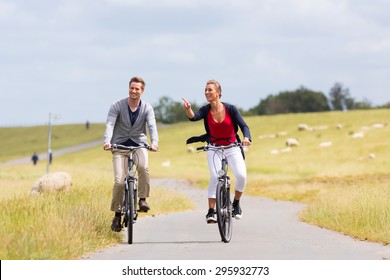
(221, 133)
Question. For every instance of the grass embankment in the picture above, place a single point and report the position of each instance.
(345, 185)
(20, 142)
(66, 225)
(329, 162)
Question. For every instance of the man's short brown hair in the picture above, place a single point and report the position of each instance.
(137, 80)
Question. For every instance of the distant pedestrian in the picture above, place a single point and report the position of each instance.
(50, 156)
(34, 158)
(87, 125)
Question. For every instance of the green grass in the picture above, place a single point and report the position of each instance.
(345, 189)
(360, 209)
(18, 142)
(67, 225)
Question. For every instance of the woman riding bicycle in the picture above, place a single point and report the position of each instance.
(221, 122)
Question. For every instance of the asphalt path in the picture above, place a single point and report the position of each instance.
(55, 153)
(268, 230)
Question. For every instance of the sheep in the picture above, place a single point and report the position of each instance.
(303, 126)
(282, 133)
(292, 142)
(358, 135)
(326, 144)
(166, 163)
(267, 136)
(286, 150)
(379, 125)
(55, 181)
(320, 127)
(369, 156)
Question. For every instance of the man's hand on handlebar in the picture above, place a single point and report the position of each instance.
(108, 146)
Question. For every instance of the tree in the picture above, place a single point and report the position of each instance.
(298, 101)
(385, 106)
(340, 99)
(363, 105)
(168, 111)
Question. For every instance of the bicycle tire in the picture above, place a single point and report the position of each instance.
(130, 212)
(224, 211)
(125, 206)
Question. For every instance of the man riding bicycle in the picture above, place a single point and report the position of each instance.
(126, 125)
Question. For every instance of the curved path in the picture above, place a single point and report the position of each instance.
(268, 230)
(43, 156)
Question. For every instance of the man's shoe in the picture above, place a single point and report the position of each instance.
(116, 224)
(143, 206)
(237, 212)
(210, 217)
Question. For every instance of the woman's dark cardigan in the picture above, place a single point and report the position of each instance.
(238, 121)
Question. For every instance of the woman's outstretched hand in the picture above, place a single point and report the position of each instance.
(186, 104)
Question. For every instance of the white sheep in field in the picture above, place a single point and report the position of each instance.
(379, 125)
(358, 135)
(267, 136)
(292, 142)
(56, 181)
(319, 127)
(326, 144)
(369, 156)
(303, 126)
(282, 133)
(285, 150)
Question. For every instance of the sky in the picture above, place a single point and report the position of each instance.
(71, 59)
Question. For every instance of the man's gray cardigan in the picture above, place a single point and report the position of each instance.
(119, 128)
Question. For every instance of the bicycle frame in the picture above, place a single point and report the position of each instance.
(129, 209)
(223, 201)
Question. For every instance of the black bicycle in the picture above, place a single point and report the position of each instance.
(223, 202)
(129, 209)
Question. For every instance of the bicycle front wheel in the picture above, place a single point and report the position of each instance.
(224, 212)
(130, 213)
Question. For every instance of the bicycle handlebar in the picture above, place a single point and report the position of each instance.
(129, 148)
(216, 148)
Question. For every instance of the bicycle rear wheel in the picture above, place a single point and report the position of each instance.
(130, 212)
(224, 212)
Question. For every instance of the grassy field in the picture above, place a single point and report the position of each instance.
(19, 142)
(345, 184)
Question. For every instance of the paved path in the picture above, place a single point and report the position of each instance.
(43, 156)
(269, 230)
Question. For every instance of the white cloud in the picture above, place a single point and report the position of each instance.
(88, 49)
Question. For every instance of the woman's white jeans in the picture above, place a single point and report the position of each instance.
(236, 164)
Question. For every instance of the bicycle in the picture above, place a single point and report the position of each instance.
(224, 207)
(129, 209)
